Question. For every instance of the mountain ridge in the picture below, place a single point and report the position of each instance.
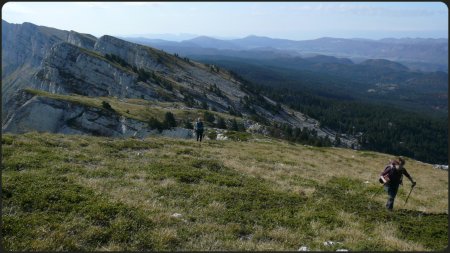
(421, 53)
(108, 66)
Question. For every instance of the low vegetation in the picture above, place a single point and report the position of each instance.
(70, 192)
(402, 122)
(139, 109)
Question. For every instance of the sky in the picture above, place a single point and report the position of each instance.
(287, 20)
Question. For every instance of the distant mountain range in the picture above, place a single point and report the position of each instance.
(416, 53)
(163, 36)
(279, 62)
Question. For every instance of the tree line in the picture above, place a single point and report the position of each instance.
(380, 128)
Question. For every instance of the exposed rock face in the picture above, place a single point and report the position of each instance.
(36, 113)
(23, 49)
(86, 41)
(43, 114)
(134, 54)
(194, 78)
(26, 43)
(71, 69)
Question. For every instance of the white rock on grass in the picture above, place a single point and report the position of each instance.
(303, 248)
(221, 137)
(176, 215)
(330, 243)
(442, 167)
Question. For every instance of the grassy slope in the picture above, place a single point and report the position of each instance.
(138, 109)
(90, 193)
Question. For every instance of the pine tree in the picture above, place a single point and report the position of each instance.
(153, 123)
(169, 120)
(234, 125)
(208, 117)
(221, 123)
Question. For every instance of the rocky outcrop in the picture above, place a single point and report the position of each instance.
(28, 44)
(86, 41)
(43, 114)
(70, 69)
(195, 79)
(134, 54)
(24, 46)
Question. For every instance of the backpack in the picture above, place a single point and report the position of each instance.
(385, 174)
(199, 126)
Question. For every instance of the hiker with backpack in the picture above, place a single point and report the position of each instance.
(199, 129)
(392, 177)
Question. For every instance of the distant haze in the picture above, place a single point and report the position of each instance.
(288, 20)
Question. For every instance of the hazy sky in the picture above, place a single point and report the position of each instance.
(290, 20)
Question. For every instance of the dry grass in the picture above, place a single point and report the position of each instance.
(387, 233)
(158, 177)
(280, 162)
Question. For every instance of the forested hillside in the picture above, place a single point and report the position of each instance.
(399, 127)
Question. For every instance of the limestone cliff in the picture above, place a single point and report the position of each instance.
(24, 46)
(32, 112)
(70, 69)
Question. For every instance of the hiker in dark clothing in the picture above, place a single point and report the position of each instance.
(392, 178)
(199, 129)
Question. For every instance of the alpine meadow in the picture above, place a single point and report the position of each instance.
(191, 128)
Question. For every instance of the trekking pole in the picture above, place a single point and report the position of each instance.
(412, 187)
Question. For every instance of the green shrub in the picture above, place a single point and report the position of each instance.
(238, 136)
(107, 106)
(188, 124)
(212, 134)
(221, 123)
(154, 123)
(234, 125)
(143, 75)
(208, 117)
(169, 120)
(204, 105)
